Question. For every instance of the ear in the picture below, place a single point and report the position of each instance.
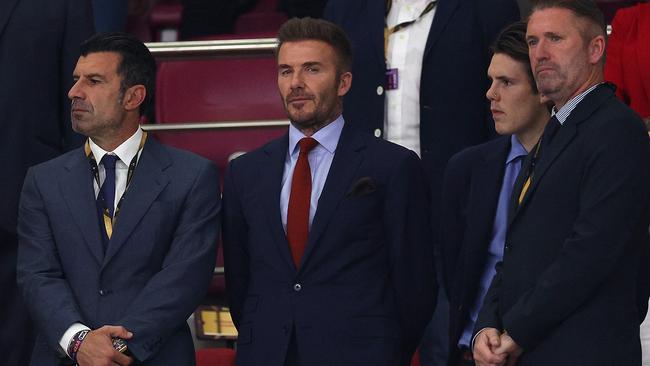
(596, 49)
(345, 83)
(133, 97)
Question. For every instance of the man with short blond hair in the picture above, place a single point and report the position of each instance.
(566, 291)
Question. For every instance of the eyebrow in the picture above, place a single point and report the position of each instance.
(91, 75)
(305, 64)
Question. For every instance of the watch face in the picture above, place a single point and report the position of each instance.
(120, 345)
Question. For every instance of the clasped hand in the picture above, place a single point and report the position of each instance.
(97, 348)
(493, 348)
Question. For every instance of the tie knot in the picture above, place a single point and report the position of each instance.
(307, 144)
(109, 161)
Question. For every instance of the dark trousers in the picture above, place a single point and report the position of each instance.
(16, 333)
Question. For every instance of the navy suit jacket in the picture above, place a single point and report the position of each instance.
(471, 189)
(365, 289)
(568, 280)
(157, 266)
(454, 113)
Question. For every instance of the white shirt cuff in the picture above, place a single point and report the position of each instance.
(67, 336)
(474, 338)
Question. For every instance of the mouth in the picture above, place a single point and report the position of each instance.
(543, 69)
(298, 100)
(496, 112)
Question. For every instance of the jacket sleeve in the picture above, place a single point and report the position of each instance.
(235, 239)
(171, 295)
(410, 245)
(41, 277)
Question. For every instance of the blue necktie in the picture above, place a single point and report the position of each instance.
(107, 191)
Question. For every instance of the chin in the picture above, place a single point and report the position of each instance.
(503, 130)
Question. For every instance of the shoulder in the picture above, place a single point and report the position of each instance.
(180, 158)
(474, 155)
(253, 159)
(613, 118)
(67, 159)
(186, 168)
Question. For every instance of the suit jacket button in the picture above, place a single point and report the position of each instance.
(377, 132)
(380, 90)
(297, 287)
(507, 248)
(102, 292)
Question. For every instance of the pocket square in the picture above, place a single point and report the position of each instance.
(362, 187)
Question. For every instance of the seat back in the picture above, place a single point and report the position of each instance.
(221, 89)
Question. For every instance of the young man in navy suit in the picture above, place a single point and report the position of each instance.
(566, 292)
(328, 250)
(478, 183)
(117, 238)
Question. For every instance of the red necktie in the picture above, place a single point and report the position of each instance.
(299, 201)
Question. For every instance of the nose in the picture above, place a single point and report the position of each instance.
(491, 94)
(297, 80)
(76, 91)
(538, 52)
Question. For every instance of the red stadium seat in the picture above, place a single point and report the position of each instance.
(215, 357)
(225, 89)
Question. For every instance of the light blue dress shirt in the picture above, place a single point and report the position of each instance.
(320, 161)
(495, 250)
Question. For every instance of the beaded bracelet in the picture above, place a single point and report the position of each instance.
(75, 344)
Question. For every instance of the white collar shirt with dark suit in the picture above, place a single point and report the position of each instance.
(155, 269)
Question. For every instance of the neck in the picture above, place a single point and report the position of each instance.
(316, 126)
(113, 140)
(595, 77)
(531, 135)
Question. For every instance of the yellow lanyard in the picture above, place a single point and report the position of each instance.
(400, 26)
(530, 172)
(109, 221)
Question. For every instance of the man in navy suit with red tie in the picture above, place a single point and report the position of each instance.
(326, 233)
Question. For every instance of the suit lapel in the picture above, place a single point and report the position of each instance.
(6, 8)
(346, 161)
(76, 185)
(564, 136)
(444, 10)
(148, 181)
(271, 172)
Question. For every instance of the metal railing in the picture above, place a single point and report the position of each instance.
(198, 126)
(164, 51)
(212, 49)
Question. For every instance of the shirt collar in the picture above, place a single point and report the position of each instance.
(126, 151)
(516, 150)
(566, 110)
(327, 137)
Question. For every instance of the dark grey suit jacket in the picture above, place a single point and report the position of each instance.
(157, 266)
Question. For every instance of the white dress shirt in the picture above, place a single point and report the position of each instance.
(405, 51)
(125, 152)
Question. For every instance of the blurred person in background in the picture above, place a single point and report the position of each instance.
(39, 46)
